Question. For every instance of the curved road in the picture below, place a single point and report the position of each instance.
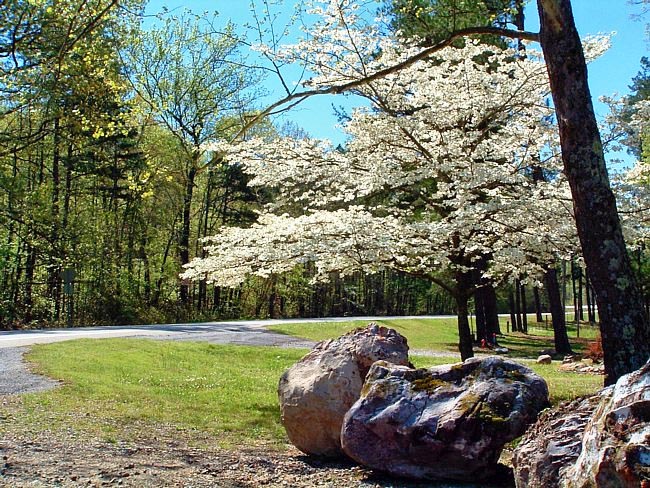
(15, 378)
(250, 332)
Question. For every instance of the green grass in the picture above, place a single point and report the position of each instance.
(120, 389)
(113, 386)
(442, 334)
(585, 331)
(436, 335)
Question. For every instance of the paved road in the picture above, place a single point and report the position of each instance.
(251, 332)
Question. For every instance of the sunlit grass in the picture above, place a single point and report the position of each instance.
(438, 334)
(119, 388)
(442, 334)
(228, 391)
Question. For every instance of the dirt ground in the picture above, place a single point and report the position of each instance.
(56, 461)
(166, 457)
(65, 461)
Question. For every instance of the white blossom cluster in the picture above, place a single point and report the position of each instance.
(633, 200)
(436, 177)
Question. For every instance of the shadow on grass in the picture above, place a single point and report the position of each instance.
(528, 346)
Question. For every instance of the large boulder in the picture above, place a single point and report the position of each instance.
(552, 445)
(616, 440)
(602, 441)
(444, 423)
(316, 392)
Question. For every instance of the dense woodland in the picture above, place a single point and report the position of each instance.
(109, 186)
(103, 176)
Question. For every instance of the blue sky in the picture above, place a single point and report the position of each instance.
(610, 74)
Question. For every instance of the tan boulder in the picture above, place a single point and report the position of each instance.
(316, 392)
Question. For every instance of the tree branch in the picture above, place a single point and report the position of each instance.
(297, 97)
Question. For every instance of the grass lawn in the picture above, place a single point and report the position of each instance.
(442, 334)
(117, 388)
(435, 335)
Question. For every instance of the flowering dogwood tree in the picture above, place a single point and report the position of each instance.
(624, 324)
(434, 180)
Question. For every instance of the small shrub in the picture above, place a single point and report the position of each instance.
(595, 349)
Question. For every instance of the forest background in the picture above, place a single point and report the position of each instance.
(107, 188)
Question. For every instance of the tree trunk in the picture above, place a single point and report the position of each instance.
(561, 338)
(30, 265)
(520, 326)
(463, 283)
(591, 306)
(186, 225)
(464, 332)
(54, 286)
(524, 315)
(147, 270)
(491, 313)
(623, 322)
(574, 288)
(580, 307)
(538, 305)
(513, 311)
(479, 306)
(216, 299)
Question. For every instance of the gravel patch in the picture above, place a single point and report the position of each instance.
(172, 459)
(15, 377)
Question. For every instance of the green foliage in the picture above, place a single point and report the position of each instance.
(433, 20)
(93, 178)
(636, 131)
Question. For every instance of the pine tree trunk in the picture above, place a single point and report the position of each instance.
(520, 325)
(30, 266)
(623, 323)
(186, 225)
(580, 305)
(54, 283)
(591, 305)
(574, 288)
(513, 311)
(524, 315)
